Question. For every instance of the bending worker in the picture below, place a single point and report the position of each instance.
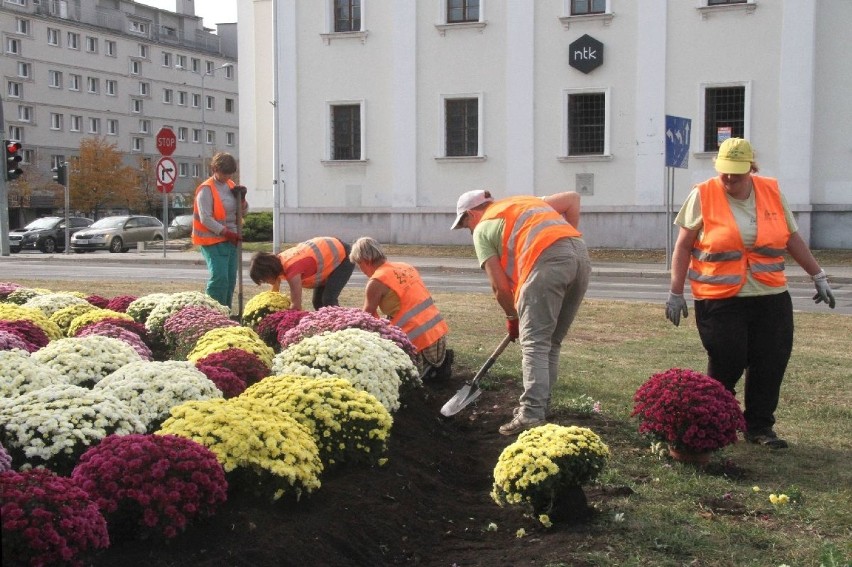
(321, 264)
(398, 290)
(539, 270)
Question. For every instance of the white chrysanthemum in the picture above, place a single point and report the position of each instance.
(151, 389)
(173, 302)
(20, 374)
(85, 360)
(368, 361)
(50, 303)
(141, 307)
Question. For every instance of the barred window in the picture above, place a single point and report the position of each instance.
(346, 132)
(459, 11)
(462, 126)
(586, 124)
(724, 112)
(347, 15)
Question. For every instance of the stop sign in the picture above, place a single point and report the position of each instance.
(166, 141)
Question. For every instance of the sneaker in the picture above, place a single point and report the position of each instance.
(767, 438)
(547, 412)
(520, 423)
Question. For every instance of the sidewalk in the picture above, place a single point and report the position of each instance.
(838, 274)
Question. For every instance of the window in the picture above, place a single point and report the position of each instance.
(168, 96)
(94, 125)
(196, 100)
(16, 133)
(229, 72)
(167, 59)
(724, 115)
(196, 64)
(22, 26)
(582, 7)
(211, 136)
(25, 113)
(136, 105)
(27, 156)
(586, 126)
(14, 89)
(196, 136)
(182, 95)
(229, 138)
(347, 15)
(73, 40)
(18, 2)
(144, 88)
(111, 48)
(144, 126)
(91, 44)
(196, 170)
(183, 169)
(137, 145)
(229, 105)
(55, 121)
(143, 51)
(135, 67)
(111, 87)
(13, 46)
(74, 82)
(112, 127)
(76, 123)
(459, 11)
(461, 127)
(93, 84)
(57, 161)
(25, 70)
(138, 27)
(168, 31)
(721, 2)
(53, 36)
(182, 133)
(180, 61)
(54, 79)
(210, 65)
(210, 102)
(346, 132)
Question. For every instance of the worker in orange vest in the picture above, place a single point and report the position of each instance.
(539, 270)
(397, 289)
(734, 230)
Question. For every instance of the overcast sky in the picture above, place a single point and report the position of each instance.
(213, 11)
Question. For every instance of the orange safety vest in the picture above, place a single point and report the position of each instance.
(326, 251)
(417, 316)
(531, 225)
(720, 260)
(201, 235)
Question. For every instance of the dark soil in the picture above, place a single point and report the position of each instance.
(429, 505)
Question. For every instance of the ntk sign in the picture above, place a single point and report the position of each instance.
(586, 54)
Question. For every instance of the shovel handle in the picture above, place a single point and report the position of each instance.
(491, 360)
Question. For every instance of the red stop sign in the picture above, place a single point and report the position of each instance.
(166, 141)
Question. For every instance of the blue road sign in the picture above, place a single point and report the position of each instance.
(677, 141)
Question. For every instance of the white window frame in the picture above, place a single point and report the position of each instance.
(329, 33)
(111, 87)
(607, 150)
(54, 79)
(25, 70)
(74, 82)
(135, 67)
(168, 96)
(75, 123)
(144, 88)
(23, 26)
(196, 135)
(229, 105)
(442, 127)
(702, 107)
(55, 121)
(167, 59)
(16, 133)
(329, 139)
(112, 127)
(137, 145)
(210, 137)
(57, 160)
(93, 85)
(443, 26)
(143, 51)
(706, 10)
(14, 89)
(144, 126)
(195, 65)
(183, 169)
(567, 18)
(73, 41)
(180, 61)
(13, 46)
(94, 125)
(196, 100)
(136, 27)
(182, 98)
(230, 138)
(182, 133)
(210, 102)
(196, 170)
(136, 105)
(54, 37)
(25, 113)
(91, 44)
(110, 48)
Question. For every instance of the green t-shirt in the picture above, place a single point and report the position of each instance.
(745, 215)
(488, 239)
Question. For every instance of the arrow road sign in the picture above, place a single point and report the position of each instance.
(166, 174)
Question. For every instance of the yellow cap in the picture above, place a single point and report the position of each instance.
(735, 156)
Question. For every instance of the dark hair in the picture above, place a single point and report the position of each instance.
(223, 162)
(264, 266)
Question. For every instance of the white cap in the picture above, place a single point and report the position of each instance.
(468, 201)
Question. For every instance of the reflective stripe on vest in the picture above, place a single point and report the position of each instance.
(201, 235)
(720, 262)
(326, 251)
(530, 226)
(418, 316)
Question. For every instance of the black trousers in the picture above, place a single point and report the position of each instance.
(752, 335)
(329, 292)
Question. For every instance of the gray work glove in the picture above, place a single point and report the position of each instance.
(823, 290)
(675, 307)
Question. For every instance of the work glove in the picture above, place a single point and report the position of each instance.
(512, 328)
(823, 290)
(675, 307)
(239, 191)
(232, 236)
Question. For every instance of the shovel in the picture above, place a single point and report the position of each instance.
(470, 391)
(240, 195)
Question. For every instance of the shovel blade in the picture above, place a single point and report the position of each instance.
(463, 398)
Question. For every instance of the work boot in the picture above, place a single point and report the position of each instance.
(445, 371)
(766, 437)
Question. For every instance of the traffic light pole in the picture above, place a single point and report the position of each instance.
(4, 200)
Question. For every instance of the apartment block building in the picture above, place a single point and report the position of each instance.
(387, 110)
(119, 70)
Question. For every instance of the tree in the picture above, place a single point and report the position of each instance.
(99, 179)
(146, 171)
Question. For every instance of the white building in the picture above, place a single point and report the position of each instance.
(387, 110)
(120, 70)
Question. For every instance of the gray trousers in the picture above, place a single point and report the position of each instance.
(548, 303)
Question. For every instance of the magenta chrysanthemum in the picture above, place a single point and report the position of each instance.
(249, 367)
(28, 331)
(182, 329)
(276, 323)
(228, 381)
(107, 329)
(120, 302)
(98, 301)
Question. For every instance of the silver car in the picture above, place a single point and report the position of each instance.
(117, 234)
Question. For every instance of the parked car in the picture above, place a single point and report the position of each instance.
(117, 234)
(180, 227)
(46, 234)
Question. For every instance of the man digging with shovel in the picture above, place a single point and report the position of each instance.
(539, 270)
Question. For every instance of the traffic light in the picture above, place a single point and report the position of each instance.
(60, 174)
(13, 158)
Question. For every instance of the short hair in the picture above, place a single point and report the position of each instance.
(264, 266)
(367, 249)
(223, 162)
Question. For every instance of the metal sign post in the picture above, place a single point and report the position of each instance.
(166, 173)
(677, 155)
(67, 191)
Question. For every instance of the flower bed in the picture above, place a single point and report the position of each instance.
(173, 303)
(183, 328)
(86, 360)
(12, 313)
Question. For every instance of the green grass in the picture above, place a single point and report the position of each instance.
(677, 515)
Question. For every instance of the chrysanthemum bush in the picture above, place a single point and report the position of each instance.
(369, 362)
(28, 331)
(217, 340)
(9, 312)
(48, 520)
(171, 304)
(86, 360)
(10, 340)
(151, 484)
(348, 424)
(63, 317)
(141, 307)
(545, 462)
(263, 304)
(5, 459)
(21, 374)
(93, 316)
(274, 324)
(335, 318)
(228, 381)
(123, 321)
(247, 366)
(120, 302)
(50, 303)
(54, 425)
(182, 329)
(24, 294)
(8, 287)
(262, 449)
(98, 300)
(109, 330)
(151, 389)
(688, 410)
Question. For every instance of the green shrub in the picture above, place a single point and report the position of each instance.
(258, 227)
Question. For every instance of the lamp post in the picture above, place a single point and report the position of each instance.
(204, 106)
